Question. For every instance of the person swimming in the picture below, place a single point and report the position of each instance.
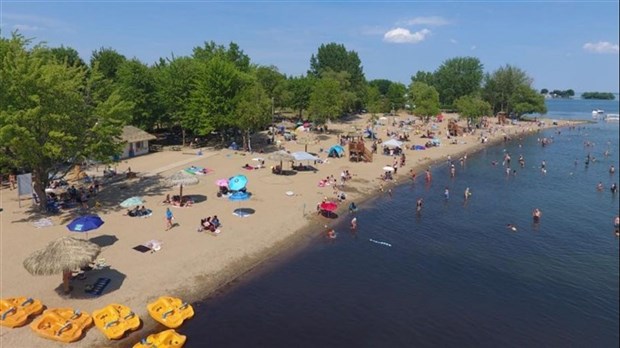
(512, 227)
(536, 214)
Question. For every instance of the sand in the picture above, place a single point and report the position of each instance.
(192, 264)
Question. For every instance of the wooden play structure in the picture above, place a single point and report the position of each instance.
(358, 151)
(502, 118)
(454, 129)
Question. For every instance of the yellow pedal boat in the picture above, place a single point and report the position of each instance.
(62, 324)
(170, 311)
(15, 311)
(115, 319)
(164, 339)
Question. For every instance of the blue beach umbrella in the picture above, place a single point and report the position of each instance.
(239, 196)
(132, 202)
(85, 223)
(237, 182)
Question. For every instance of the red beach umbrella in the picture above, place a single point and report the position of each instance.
(329, 206)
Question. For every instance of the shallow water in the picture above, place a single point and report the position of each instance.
(454, 275)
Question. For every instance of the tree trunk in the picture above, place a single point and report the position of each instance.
(249, 136)
(183, 135)
(40, 183)
(246, 146)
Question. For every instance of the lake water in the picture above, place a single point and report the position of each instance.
(454, 275)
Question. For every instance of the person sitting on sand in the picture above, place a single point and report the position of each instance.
(167, 200)
(205, 224)
(215, 221)
(143, 211)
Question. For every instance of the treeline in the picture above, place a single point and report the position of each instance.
(556, 93)
(56, 107)
(598, 95)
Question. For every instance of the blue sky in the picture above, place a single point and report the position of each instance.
(560, 44)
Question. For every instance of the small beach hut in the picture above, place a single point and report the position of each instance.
(136, 141)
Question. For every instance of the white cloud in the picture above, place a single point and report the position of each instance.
(473, 47)
(453, 41)
(430, 21)
(402, 35)
(601, 47)
(26, 27)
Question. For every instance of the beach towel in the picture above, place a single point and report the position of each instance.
(141, 248)
(153, 244)
(97, 288)
(43, 222)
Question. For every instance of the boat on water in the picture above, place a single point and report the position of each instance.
(612, 118)
(597, 113)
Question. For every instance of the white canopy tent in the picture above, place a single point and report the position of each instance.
(392, 143)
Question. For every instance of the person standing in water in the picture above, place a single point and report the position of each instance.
(467, 193)
(418, 205)
(536, 215)
(354, 223)
(617, 225)
(446, 193)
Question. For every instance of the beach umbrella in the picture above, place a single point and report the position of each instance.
(388, 169)
(85, 223)
(132, 202)
(237, 182)
(221, 182)
(181, 179)
(62, 256)
(281, 156)
(305, 141)
(239, 196)
(329, 206)
(392, 143)
(304, 156)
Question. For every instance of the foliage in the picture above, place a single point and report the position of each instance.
(252, 110)
(598, 95)
(376, 102)
(556, 93)
(544, 91)
(509, 85)
(136, 84)
(232, 54)
(300, 89)
(424, 77)
(425, 100)
(64, 55)
(325, 100)
(108, 62)
(457, 77)
(396, 96)
(472, 107)
(382, 85)
(335, 58)
(46, 119)
(175, 80)
(211, 104)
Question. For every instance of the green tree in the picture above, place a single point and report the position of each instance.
(396, 95)
(335, 57)
(175, 81)
(211, 104)
(544, 91)
(525, 100)
(108, 62)
(457, 77)
(424, 77)
(500, 87)
(232, 54)
(382, 85)
(136, 84)
(45, 120)
(472, 107)
(272, 82)
(325, 100)
(376, 102)
(65, 55)
(252, 111)
(300, 89)
(425, 100)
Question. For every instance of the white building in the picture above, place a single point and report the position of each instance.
(136, 142)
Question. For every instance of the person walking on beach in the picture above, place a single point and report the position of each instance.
(169, 218)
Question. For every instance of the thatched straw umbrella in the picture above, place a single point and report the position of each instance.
(306, 140)
(62, 256)
(281, 156)
(181, 179)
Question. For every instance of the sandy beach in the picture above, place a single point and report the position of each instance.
(193, 264)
